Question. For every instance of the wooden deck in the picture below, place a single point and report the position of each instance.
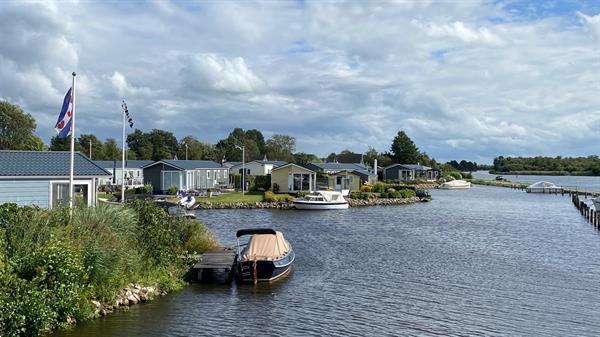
(215, 266)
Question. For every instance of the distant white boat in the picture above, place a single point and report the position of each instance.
(322, 200)
(456, 185)
(543, 187)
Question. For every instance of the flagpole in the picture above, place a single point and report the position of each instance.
(123, 163)
(71, 187)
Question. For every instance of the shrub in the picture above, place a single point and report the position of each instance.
(261, 183)
(366, 188)
(407, 193)
(272, 197)
(275, 187)
(173, 190)
(360, 195)
(379, 187)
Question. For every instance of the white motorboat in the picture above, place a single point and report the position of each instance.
(322, 200)
(543, 187)
(456, 185)
(187, 201)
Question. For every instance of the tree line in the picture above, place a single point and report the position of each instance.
(17, 133)
(568, 165)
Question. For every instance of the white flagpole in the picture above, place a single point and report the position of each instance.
(71, 187)
(123, 163)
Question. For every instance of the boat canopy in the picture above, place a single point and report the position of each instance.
(456, 183)
(542, 184)
(331, 195)
(266, 247)
(253, 231)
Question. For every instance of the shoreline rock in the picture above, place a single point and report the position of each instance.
(382, 202)
(289, 205)
(128, 296)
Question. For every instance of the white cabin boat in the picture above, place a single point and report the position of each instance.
(187, 201)
(322, 200)
(456, 185)
(543, 187)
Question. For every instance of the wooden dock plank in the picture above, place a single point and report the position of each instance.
(216, 260)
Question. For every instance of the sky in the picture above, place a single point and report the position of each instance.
(464, 79)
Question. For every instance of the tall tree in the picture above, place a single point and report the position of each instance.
(404, 151)
(370, 157)
(60, 144)
(252, 140)
(258, 138)
(164, 144)
(281, 147)
(196, 149)
(16, 129)
(111, 150)
(83, 143)
(139, 142)
(302, 158)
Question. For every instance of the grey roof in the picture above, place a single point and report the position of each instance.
(46, 164)
(338, 166)
(231, 163)
(189, 164)
(410, 167)
(275, 163)
(128, 163)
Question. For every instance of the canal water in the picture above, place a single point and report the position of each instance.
(583, 183)
(484, 261)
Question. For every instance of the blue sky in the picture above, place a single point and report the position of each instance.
(465, 79)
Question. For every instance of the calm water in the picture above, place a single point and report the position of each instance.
(485, 261)
(581, 182)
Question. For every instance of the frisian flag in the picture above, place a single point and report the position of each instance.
(63, 125)
(129, 119)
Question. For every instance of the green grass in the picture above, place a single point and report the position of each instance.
(498, 183)
(105, 195)
(230, 198)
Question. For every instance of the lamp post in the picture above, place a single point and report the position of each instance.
(186, 147)
(243, 148)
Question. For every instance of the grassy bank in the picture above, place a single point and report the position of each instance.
(50, 268)
(498, 183)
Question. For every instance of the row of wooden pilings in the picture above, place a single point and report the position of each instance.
(588, 213)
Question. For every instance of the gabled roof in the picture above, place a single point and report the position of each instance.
(188, 164)
(410, 167)
(128, 163)
(337, 166)
(275, 163)
(47, 164)
(292, 164)
(231, 163)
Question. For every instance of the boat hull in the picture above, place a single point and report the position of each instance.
(461, 187)
(300, 204)
(266, 271)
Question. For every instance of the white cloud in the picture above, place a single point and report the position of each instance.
(592, 23)
(210, 71)
(334, 76)
(460, 31)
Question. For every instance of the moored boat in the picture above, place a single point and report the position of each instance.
(543, 187)
(266, 257)
(187, 201)
(456, 185)
(322, 200)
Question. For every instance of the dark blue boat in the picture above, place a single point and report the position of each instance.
(266, 257)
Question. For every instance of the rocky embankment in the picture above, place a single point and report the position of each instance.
(244, 205)
(289, 205)
(128, 296)
(381, 201)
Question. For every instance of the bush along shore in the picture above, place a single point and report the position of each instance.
(55, 271)
(498, 183)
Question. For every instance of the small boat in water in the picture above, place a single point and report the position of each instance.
(455, 185)
(543, 187)
(322, 200)
(266, 257)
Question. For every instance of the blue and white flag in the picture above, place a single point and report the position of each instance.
(63, 125)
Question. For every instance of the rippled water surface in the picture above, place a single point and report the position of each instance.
(485, 261)
(586, 183)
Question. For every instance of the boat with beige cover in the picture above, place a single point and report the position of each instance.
(267, 256)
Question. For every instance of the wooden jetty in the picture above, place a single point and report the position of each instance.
(590, 214)
(215, 266)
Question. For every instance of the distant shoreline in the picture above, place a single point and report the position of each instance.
(546, 173)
